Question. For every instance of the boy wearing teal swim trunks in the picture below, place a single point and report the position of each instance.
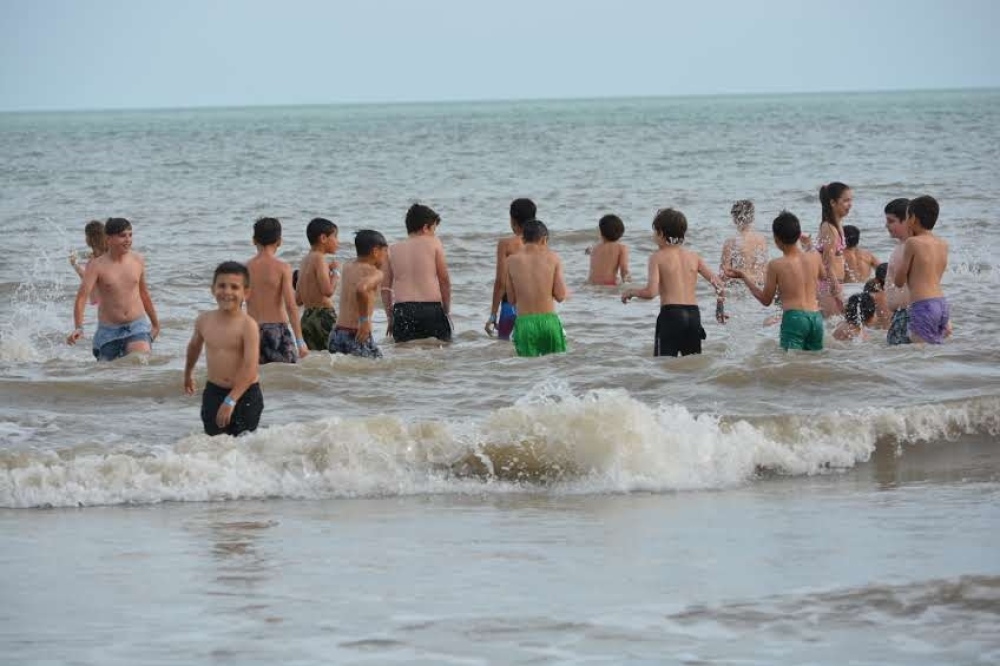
(795, 275)
(533, 284)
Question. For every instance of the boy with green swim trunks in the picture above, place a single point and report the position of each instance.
(795, 275)
(317, 281)
(534, 282)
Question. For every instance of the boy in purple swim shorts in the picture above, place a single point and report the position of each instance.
(925, 257)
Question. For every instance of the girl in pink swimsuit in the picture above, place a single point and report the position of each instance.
(836, 199)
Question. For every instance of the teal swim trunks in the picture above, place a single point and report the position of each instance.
(802, 329)
(539, 334)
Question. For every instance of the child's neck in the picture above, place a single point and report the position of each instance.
(790, 250)
(367, 259)
(920, 231)
(269, 250)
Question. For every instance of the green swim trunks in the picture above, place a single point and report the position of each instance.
(801, 329)
(539, 334)
(316, 326)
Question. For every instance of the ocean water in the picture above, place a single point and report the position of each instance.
(460, 505)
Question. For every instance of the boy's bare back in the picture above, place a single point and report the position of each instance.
(271, 282)
(360, 284)
(795, 276)
(418, 270)
(316, 284)
(608, 262)
(231, 342)
(746, 252)
(673, 273)
(535, 279)
(925, 258)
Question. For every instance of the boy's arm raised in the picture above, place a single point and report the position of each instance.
(193, 353)
(292, 309)
(652, 287)
(245, 376)
(147, 303)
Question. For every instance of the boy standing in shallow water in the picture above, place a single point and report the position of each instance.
(925, 257)
(232, 401)
(796, 275)
(521, 211)
(673, 275)
(534, 282)
(362, 279)
(609, 258)
(272, 304)
(119, 278)
(897, 298)
(317, 282)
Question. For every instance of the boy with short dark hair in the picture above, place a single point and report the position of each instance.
(534, 283)
(609, 258)
(859, 312)
(272, 301)
(795, 274)
(232, 401)
(362, 279)
(673, 276)
(858, 262)
(521, 211)
(925, 258)
(317, 282)
(897, 299)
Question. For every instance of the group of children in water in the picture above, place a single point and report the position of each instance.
(412, 279)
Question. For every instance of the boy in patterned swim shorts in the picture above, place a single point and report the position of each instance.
(361, 281)
(272, 299)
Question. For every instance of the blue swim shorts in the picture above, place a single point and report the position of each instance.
(111, 341)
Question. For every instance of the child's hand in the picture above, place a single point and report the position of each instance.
(154, 332)
(303, 348)
(224, 415)
(491, 325)
(364, 331)
(74, 336)
(720, 312)
(733, 273)
(627, 295)
(587, 251)
(72, 258)
(189, 386)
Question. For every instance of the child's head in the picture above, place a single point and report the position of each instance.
(786, 228)
(367, 243)
(836, 200)
(881, 271)
(611, 227)
(860, 309)
(852, 235)
(115, 226)
(420, 216)
(534, 231)
(742, 213)
(318, 231)
(266, 231)
(670, 225)
(231, 278)
(96, 239)
(232, 268)
(521, 211)
(895, 218)
(923, 211)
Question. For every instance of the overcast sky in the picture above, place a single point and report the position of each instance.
(70, 54)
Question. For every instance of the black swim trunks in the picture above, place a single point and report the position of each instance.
(246, 415)
(678, 331)
(415, 320)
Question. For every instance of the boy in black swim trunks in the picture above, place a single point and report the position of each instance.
(232, 401)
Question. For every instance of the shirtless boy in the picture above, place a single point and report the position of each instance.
(317, 282)
(673, 275)
(609, 258)
(232, 401)
(897, 298)
(795, 274)
(362, 279)
(747, 251)
(119, 278)
(925, 257)
(521, 211)
(534, 283)
(272, 302)
(417, 289)
(858, 262)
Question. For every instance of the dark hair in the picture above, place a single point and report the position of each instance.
(897, 208)
(611, 227)
(860, 308)
(533, 231)
(786, 228)
(116, 225)
(522, 210)
(420, 216)
(881, 271)
(367, 240)
(266, 231)
(317, 227)
(232, 268)
(874, 286)
(925, 209)
(671, 224)
(827, 195)
(852, 235)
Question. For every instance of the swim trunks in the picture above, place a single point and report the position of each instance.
(415, 320)
(316, 326)
(343, 341)
(277, 344)
(111, 341)
(678, 331)
(899, 328)
(802, 329)
(505, 324)
(539, 334)
(245, 416)
(929, 319)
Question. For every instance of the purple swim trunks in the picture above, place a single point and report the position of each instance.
(929, 320)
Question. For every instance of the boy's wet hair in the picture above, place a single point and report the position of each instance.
(534, 231)
(95, 234)
(873, 286)
(319, 226)
(897, 208)
(611, 227)
(852, 235)
(671, 224)
(786, 228)
(116, 225)
(925, 209)
(860, 309)
(882, 271)
(522, 210)
(266, 231)
(232, 268)
(742, 212)
(827, 195)
(366, 240)
(420, 216)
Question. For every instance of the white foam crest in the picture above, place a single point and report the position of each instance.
(602, 441)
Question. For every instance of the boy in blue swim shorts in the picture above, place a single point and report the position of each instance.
(521, 211)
